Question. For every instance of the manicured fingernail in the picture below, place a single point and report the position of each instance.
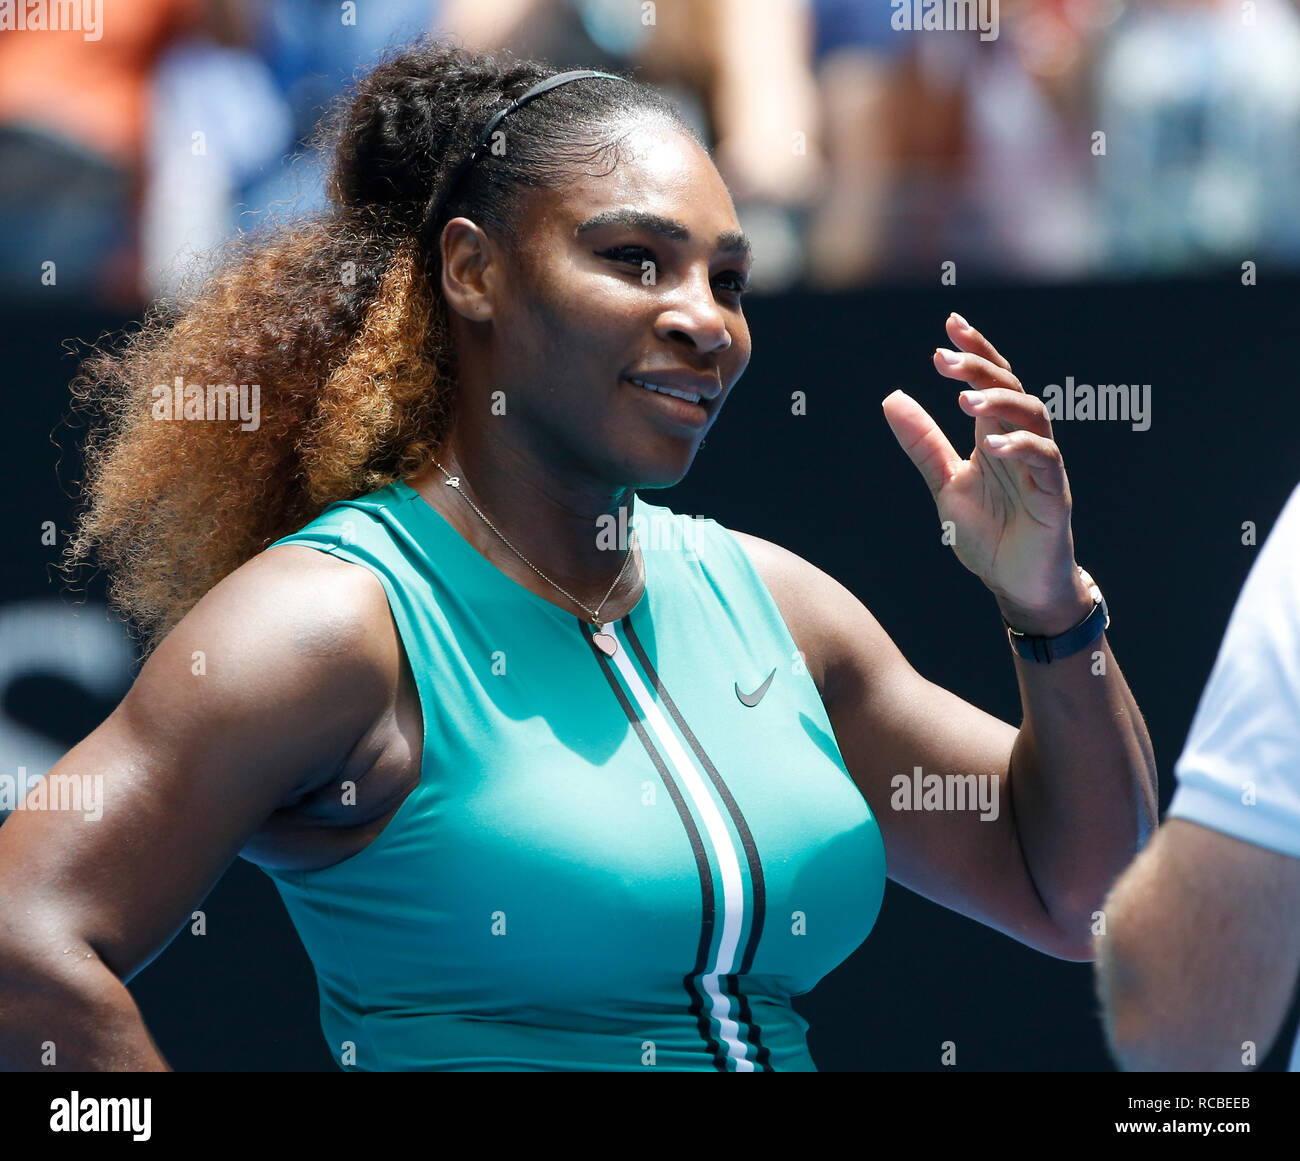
(961, 322)
(995, 440)
(952, 358)
(974, 398)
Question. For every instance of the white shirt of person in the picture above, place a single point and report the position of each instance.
(1239, 772)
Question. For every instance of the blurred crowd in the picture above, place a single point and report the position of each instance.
(1087, 138)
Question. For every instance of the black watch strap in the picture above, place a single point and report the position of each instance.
(1049, 649)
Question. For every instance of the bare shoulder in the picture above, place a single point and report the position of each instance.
(270, 685)
(820, 613)
(293, 642)
(328, 605)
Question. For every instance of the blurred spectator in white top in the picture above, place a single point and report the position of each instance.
(1200, 101)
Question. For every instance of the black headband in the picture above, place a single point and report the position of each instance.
(486, 136)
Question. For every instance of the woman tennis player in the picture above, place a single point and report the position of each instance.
(547, 776)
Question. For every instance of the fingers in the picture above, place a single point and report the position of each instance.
(919, 436)
(969, 339)
(1040, 456)
(997, 397)
(975, 369)
(1013, 408)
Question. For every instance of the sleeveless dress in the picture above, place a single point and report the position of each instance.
(609, 862)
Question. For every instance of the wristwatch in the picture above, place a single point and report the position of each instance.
(1049, 649)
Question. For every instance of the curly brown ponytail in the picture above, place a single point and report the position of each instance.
(337, 321)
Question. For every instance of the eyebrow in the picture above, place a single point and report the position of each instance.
(729, 241)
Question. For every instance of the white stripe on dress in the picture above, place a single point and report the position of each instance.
(733, 894)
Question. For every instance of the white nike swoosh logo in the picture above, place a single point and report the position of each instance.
(752, 699)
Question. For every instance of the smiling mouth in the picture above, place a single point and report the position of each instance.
(675, 392)
(684, 406)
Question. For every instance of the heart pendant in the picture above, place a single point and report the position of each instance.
(605, 643)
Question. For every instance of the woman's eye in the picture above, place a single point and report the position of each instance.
(639, 255)
(624, 254)
(740, 284)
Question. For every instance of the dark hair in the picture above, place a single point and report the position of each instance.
(416, 117)
(335, 317)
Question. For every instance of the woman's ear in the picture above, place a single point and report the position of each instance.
(467, 269)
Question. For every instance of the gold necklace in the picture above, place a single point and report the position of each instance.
(603, 641)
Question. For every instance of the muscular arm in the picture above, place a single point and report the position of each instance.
(1201, 951)
(1069, 793)
(258, 695)
(1083, 775)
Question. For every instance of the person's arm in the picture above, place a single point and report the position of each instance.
(1201, 952)
(764, 94)
(889, 720)
(257, 696)
(1053, 811)
(1201, 948)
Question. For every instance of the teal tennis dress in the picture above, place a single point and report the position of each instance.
(610, 862)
